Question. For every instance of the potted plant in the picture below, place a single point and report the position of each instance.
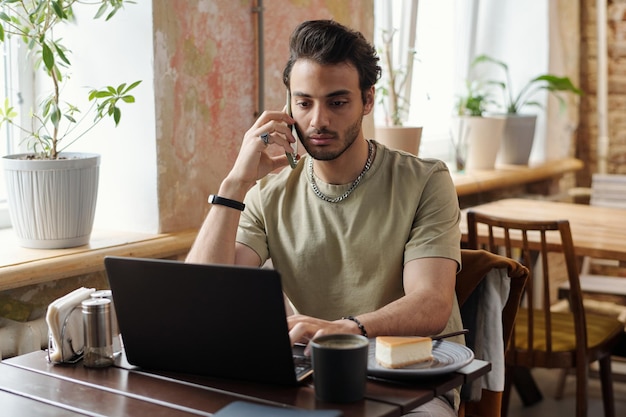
(477, 135)
(519, 131)
(52, 193)
(395, 104)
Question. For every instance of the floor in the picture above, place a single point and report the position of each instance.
(546, 380)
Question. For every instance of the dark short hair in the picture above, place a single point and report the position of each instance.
(327, 42)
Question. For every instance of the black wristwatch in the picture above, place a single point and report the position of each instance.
(222, 201)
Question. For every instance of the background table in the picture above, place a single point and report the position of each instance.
(599, 232)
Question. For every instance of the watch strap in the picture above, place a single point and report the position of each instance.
(222, 201)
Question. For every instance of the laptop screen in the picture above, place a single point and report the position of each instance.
(214, 320)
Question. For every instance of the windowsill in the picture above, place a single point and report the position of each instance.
(505, 176)
(23, 266)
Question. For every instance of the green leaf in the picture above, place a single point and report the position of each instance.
(556, 83)
(48, 56)
(486, 58)
(533, 103)
(101, 10)
(133, 85)
(57, 6)
(46, 107)
(61, 53)
(102, 94)
(55, 117)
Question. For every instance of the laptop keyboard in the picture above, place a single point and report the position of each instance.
(302, 365)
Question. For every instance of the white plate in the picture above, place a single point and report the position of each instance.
(448, 357)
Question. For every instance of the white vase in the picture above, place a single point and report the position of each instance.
(517, 140)
(477, 139)
(52, 203)
(404, 138)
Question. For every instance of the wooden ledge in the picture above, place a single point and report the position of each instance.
(504, 176)
(20, 267)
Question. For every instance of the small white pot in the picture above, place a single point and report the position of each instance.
(404, 138)
(52, 202)
(478, 140)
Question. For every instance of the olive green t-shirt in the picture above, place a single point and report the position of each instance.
(346, 258)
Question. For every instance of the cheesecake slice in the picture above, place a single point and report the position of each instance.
(398, 352)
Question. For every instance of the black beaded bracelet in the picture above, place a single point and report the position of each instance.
(358, 323)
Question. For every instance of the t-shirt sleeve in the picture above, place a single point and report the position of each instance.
(252, 231)
(435, 231)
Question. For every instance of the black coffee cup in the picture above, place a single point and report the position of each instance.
(340, 367)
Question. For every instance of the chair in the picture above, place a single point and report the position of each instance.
(476, 265)
(607, 190)
(543, 338)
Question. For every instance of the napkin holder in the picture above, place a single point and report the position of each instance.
(65, 327)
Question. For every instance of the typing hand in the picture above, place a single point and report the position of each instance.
(303, 329)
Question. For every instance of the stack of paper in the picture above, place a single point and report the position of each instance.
(66, 329)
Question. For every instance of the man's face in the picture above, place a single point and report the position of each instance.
(328, 107)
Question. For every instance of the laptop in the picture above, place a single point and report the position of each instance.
(212, 320)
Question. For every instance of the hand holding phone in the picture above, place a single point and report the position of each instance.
(292, 157)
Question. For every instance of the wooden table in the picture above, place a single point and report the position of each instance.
(30, 386)
(599, 232)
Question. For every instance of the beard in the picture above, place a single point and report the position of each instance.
(346, 139)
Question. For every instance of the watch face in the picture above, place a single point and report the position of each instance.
(216, 199)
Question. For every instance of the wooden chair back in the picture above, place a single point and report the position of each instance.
(532, 242)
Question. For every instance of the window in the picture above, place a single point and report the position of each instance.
(437, 74)
(448, 35)
(9, 87)
(128, 164)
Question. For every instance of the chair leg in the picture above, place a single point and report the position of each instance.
(606, 380)
(582, 382)
(560, 385)
(526, 386)
(506, 394)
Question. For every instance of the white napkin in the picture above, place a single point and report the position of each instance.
(58, 312)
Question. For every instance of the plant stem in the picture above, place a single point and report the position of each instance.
(393, 98)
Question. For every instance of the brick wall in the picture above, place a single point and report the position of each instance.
(586, 148)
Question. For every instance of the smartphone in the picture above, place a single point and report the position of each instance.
(292, 157)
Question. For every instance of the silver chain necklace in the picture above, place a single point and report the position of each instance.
(316, 190)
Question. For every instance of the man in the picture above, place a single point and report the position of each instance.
(366, 239)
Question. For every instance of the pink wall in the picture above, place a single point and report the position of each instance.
(206, 87)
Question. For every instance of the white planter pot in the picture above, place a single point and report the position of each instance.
(478, 140)
(404, 138)
(517, 140)
(52, 202)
